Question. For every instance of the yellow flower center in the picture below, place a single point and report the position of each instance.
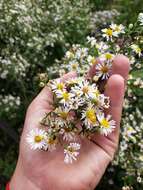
(90, 114)
(105, 123)
(52, 140)
(138, 50)
(60, 86)
(63, 115)
(109, 32)
(65, 96)
(93, 61)
(104, 69)
(67, 129)
(74, 66)
(108, 56)
(38, 138)
(130, 129)
(71, 149)
(85, 89)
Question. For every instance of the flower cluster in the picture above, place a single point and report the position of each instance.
(13, 66)
(78, 110)
(9, 104)
(80, 59)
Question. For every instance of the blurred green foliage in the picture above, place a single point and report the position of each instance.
(129, 9)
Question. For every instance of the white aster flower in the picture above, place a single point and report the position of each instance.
(81, 53)
(64, 115)
(36, 139)
(117, 28)
(100, 100)
(83, 88)
(57, 85)
(91, 40)
(95, 93)
(109, 33)
(140, 19)
(73, 66)
(65, 97)
(69, 55)
(71, 152)
(103, 70)
(51, 142)
(106, 124)
(89, 117)
(63, 112)
(76, 102)
(136, 49)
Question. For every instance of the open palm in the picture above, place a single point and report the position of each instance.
(47, 171)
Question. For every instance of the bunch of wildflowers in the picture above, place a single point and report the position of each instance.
(79, 104)
(78, 111)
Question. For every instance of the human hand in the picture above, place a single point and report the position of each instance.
(41, 170)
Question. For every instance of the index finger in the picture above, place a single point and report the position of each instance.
(115, 89)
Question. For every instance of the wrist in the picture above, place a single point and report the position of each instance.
(20, 181)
